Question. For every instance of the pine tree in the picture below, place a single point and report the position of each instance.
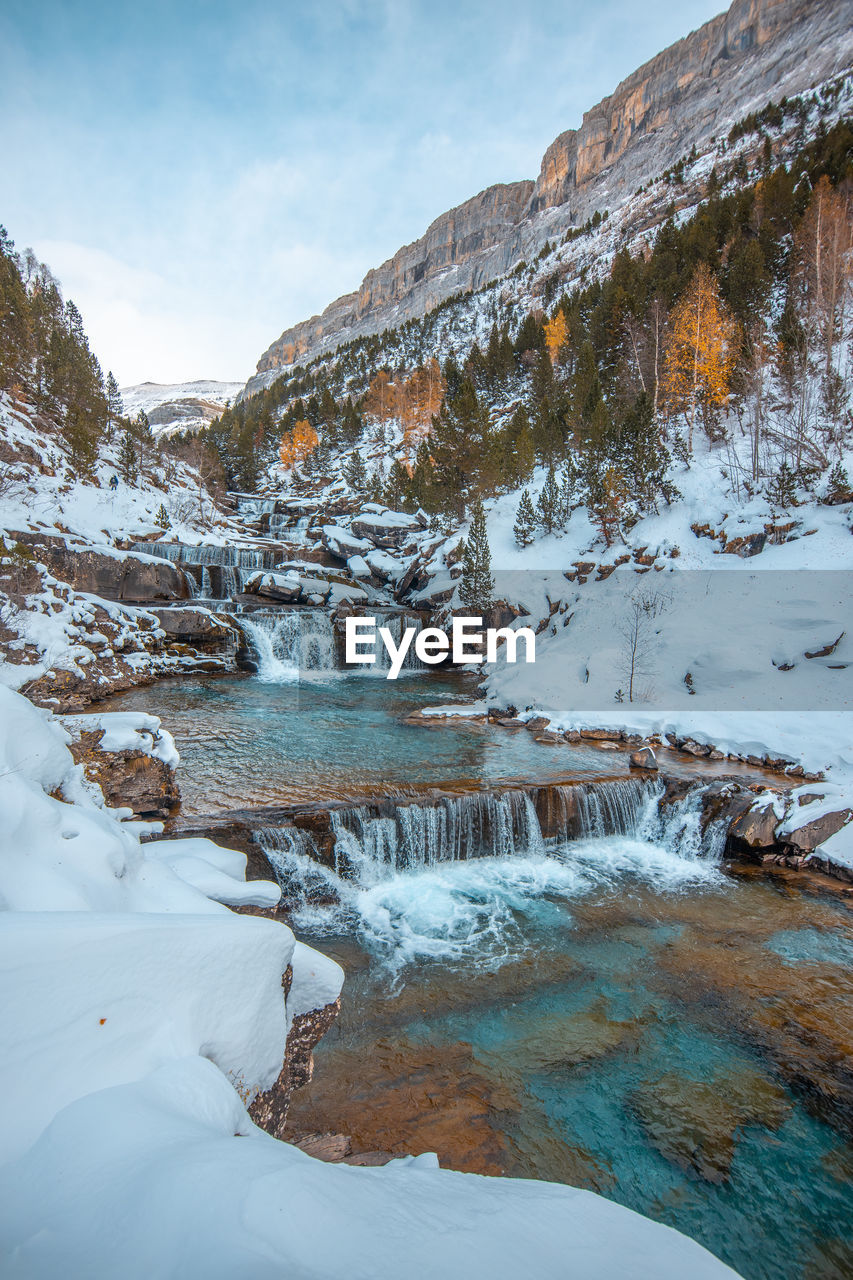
(127, 463)
(115, 406)
(525, 521)
(355, 473)
(837, 485)
(548, 503)
(162, 518)
(477, 586)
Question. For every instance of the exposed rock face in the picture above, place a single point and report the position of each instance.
(111, 576)
(129, 779)
(451, 241)
(269, 1109)
(758, 50)
(644, 759)
(756, 828)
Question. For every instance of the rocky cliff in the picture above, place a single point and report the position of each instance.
(758, 50)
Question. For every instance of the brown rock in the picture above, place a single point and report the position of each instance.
(644, 759)
(811, 834)
(128, 779)
(756, 828)
(113, 577)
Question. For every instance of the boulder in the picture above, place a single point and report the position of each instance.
(195, 626)
(386, 529)
(694, 748)
(537, 724)
(342, 543)
(807, 837)
(644, 759)
(756, 828)
(284, 588)
(133, 779)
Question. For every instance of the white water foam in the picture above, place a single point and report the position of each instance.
(459, 878)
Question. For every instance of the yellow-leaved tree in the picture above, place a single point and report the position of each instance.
(700, 353)
(297, 443)
(555, 335)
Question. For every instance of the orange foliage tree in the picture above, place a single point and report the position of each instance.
(555, 335)
(297, 443)
(700, 353)
(419, 399)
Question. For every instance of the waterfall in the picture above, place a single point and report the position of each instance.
(453, 875)
(228, 557)
(680, 827)
(452, 828)
(374, 841)
(290, 642)
(396, 624)
(286, 529)
(254, 507)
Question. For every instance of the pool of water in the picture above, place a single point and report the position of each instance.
(247, 742)
(338, 736)
(615, 1015)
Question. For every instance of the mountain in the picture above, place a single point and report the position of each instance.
(182, 406)
(683, 100)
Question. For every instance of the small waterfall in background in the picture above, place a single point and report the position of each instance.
(287, 530)
(290, 642)
(217, 572)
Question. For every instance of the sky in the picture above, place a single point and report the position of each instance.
(200, 175)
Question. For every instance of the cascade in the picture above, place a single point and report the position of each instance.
(254, 507)
(449, 876)
(228, 557)
(293, 640)
(289, 642)
(288, 530)
(396, 624)
(374, 842)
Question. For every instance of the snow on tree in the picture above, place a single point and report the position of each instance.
(548, 504)
(127, 460)
(298, 443)
(555, 334)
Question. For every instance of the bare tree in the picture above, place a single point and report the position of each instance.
(639, 632)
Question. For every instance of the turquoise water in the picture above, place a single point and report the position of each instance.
(641, 1040)
(249, 742)
(339, 736)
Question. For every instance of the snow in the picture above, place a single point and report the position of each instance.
(49, 495)
(141, 1017)
(128, 731)
(174, 1180)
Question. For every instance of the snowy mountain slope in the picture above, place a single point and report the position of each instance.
(183, 406)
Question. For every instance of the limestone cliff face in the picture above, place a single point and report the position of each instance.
(666, 92)
(694, 90)
(452, 240)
